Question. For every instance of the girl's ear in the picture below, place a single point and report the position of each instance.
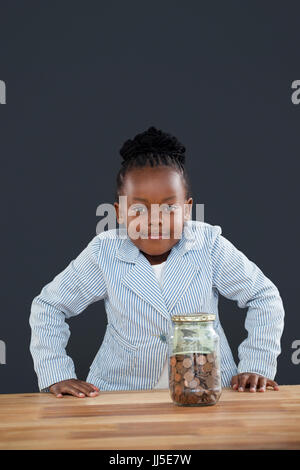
(188, 209)
(119, 217)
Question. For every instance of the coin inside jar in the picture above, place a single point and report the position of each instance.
(201, 359)
(187, 362)
(199, 384)
(210, 357)
(189, 375)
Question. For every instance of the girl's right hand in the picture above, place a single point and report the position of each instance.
(75, 387)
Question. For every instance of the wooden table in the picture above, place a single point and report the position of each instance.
(149, 420)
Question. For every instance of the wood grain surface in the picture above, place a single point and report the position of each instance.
(148, 419)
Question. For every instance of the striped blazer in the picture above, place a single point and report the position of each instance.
(202, 264)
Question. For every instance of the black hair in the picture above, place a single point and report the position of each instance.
(153, 148)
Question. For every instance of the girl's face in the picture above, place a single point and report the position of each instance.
(156, 210)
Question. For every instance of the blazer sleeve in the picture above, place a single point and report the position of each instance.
(80, 284)
(237, 278)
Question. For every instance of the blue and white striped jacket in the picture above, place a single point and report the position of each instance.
(201, 265)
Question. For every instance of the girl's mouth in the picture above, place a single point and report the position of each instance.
(154, 236)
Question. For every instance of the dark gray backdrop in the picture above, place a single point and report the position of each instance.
(83, 76)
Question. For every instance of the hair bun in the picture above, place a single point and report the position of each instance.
(153, 141)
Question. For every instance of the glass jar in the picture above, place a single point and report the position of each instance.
(194, 360)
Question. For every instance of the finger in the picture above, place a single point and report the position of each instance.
(59, 387)
(87, 389)
(253, 382)
(262, 384)
(73, 391)
(55, 390)
(94, 387)
(273, 384)
(234, 382)
(243, 378)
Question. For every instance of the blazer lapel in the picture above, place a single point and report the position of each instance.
(142, 281)
(179, 269)
(179, 273)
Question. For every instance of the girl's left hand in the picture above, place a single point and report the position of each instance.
(249, 379)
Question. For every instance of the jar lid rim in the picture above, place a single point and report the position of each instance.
(194, 317)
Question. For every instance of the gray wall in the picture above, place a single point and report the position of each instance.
(81, 77)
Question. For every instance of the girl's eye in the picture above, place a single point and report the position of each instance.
(137, 209)
(169, 207)
(166, 208)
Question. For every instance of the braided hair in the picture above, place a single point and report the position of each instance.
(153, 148)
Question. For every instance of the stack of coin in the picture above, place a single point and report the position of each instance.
(194, 379)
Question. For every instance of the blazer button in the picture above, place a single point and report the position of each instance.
(163, 338)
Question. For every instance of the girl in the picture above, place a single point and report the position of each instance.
(146, 277)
